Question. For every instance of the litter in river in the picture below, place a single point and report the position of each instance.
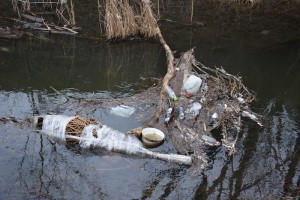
(89, 133)
(123, 111)
(216, 101)
(152, 137)
(215, 107)
(193, 84)
(211, 116)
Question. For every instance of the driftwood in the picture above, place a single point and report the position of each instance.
(35, 21)
(34, 24)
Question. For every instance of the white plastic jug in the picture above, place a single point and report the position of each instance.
(193, 84)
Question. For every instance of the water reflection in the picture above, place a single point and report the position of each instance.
(79, 64)
(33, 166)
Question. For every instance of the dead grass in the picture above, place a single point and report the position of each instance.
(147, 23)
(65, 13)
(64, 8)
(123, 19)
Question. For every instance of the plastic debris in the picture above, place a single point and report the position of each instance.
(181, 112)
(241, 99)
(193, 84)
(195, 108)
(123, 111)
(171, 93)
(55, 126)
(214, 116)
(168, 115)
(97, 135)
(114, 140)
(210, 140)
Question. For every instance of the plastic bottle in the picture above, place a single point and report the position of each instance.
(171, 93)
(195, 108)
(181, 112)
(169, 115)
(210, 140)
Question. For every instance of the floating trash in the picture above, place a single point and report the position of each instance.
(123, 111)
(90, 134)
(152, 137)
(192, 84)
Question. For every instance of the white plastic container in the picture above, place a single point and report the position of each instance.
(193, 84)
(152, 137)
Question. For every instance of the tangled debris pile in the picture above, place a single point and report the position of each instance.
(218, 104)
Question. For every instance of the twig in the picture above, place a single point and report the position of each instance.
(70, 30)
(60, 93)
(110, 169)
(178, 126)
(223, 73)
(235, 78)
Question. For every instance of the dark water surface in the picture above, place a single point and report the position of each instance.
(267, 164)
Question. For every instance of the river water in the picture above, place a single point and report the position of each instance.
(267, 164)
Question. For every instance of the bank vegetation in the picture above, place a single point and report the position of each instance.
(275, 18)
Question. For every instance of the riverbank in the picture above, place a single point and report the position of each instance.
(263, 22)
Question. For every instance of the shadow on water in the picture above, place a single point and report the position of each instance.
(33, 166)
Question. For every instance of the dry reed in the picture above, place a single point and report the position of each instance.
(64, 8)
(65, 11)
(122, 20)
(100, 15)
(114, 25)
(148, 23)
